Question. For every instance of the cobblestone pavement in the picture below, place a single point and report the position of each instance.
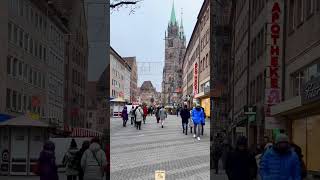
(136, 155)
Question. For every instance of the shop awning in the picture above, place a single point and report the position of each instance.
(25, 121)
(5, 117)
(83, 132)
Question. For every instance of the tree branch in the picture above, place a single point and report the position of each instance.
(123, 3)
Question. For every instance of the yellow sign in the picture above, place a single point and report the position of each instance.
(160, 175)
(34, 116)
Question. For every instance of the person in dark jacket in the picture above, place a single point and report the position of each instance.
(124, 116)
(280, 162)
(135, 117)
(204, 122)
(241, 164)
(185, 115)
(298, 151)
(85, 146)
(48, 169)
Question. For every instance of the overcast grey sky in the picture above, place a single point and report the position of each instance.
(142, 34)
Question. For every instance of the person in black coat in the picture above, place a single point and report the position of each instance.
(241, 164)
(185, 115)
(85, 146)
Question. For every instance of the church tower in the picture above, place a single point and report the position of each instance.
(175, 47)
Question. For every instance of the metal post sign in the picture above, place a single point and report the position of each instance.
(160, 175)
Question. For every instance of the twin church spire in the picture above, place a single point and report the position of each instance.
(173, 22)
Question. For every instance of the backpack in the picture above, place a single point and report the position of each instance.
(72, 161)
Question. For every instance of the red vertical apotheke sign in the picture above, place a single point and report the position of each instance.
(195, 80)
(274, 61)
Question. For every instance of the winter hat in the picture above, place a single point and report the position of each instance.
(73, 144)
(282, 138)
(242, 140)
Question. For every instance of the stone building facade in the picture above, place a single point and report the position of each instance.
(175, 46)
(148, 94)
(134, 78)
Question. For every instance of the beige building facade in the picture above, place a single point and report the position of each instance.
(196, 62)
(133, 78)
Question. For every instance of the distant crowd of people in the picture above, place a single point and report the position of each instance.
(87, 163)
(278, 160)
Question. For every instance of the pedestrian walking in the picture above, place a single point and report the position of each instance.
(178, 109)
(185, 115)
(94, 161)
(217, 153)
(124, 115)
(85, 146)
(131, 114)
(241, 164)
(145, 113)
(139, 117)
(298, 151)
(204, 121)
(259, 155)
(163, 115)
(280, 162)
(70, 161)
(46, 167)
(157, 110)
(135, 118)
(198, 118)
(191, 124)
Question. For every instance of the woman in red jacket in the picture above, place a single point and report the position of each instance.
(145, 113)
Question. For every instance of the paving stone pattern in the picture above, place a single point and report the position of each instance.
(136, 155)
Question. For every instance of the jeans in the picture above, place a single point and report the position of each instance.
(144, 119)
(185, 127)
(132, 120)
(139, 125)
(125, 122)
(195, 129)
(162, 122)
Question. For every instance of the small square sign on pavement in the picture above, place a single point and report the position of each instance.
(160, 175)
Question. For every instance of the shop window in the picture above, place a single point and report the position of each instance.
(19, 138)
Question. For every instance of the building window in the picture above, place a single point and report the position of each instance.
(43, 81)
(14, 100)
(24, 103)
(19, 102)
(25, 71)
(29, 103)
(299, 8)
(26, 41)
(10, 32)
(15, 35)
(309, 7)
(30, 75)
(35, 48)
(45, 54)
(21, 38)
(31, 45)
(40, 51)
(20, 69)
(8, 98)
(15, 65)
(8, 65)
(21, 7)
